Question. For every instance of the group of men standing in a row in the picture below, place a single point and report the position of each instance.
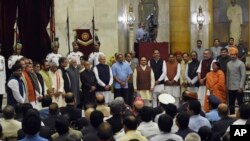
(86, 77)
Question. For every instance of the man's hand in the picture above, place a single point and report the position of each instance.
(240, 90)
(107, 87)
(157, 82)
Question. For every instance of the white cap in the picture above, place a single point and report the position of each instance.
(166, 98)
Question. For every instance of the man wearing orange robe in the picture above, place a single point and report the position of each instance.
(215, 84)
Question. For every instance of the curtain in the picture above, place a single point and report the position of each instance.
(33, 18)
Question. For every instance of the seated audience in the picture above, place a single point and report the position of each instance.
(63, 130)
(192, 137)
(70, 109)
(130, 125)
(96, 118)
(196, 120)
(221, 125)
(165, 124)
(44, 111)
(31, 125)
(213, 115)
(147, 127)
(10, 126)
(116, 120)
(100, 102)
(105, 133)
(182, 121)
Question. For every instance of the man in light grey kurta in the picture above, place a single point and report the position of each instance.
(74, 79)
(236, 74)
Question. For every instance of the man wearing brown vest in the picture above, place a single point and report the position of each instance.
(172, 84)
(204, 67)
(143, 81)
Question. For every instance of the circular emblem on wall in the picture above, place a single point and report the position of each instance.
(85, 36)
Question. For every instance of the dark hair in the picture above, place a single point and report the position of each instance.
(43, 62)
(130, 122)
(126, 54)
(69, 98)
(217, 39)
(170, 109)
(16, 67)
(217, 64)
(61, 125)
(18, 111)
(61, 60)
(31, 123)
(195, 106)
(96, 118)
(46, 101)
(115, 108)
(146, 114)
(231, 38)
(183, 120)
(224, 49)
(8, 112)
(53, 109)
(199, 41)
(245, 111)
(25, 108)
(205, 133)
(104, 131)
(165, 123)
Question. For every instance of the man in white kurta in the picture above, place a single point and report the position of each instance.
(143, 86)
(234, 15)
(16, 56)
(2, 77)
(158, 65)
(204, 67)
(57, 85)
(172, 84)
(75, 54)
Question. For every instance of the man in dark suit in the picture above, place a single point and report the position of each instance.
(70, 109)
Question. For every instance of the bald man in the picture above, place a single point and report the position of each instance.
(100, 102)
(221, 125)
(138, 105)
(74, 75)
(104, 77)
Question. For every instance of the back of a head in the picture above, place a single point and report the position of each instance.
(205, 133)
(138, 105)
(88, 113)
(25, 108)
(146, 114)
(61, 125)
(100, 99)
(183, 120)
(104, 131)
(115, 108)
(195, 106)
(170, 109)
(245, 111)
(31, 123)
(192, 137)
(130, 122)
(165, 123)
(96, 118)
(46, 101)
(69, 97)
(223, 109)
(53, 109)
(8, 112)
